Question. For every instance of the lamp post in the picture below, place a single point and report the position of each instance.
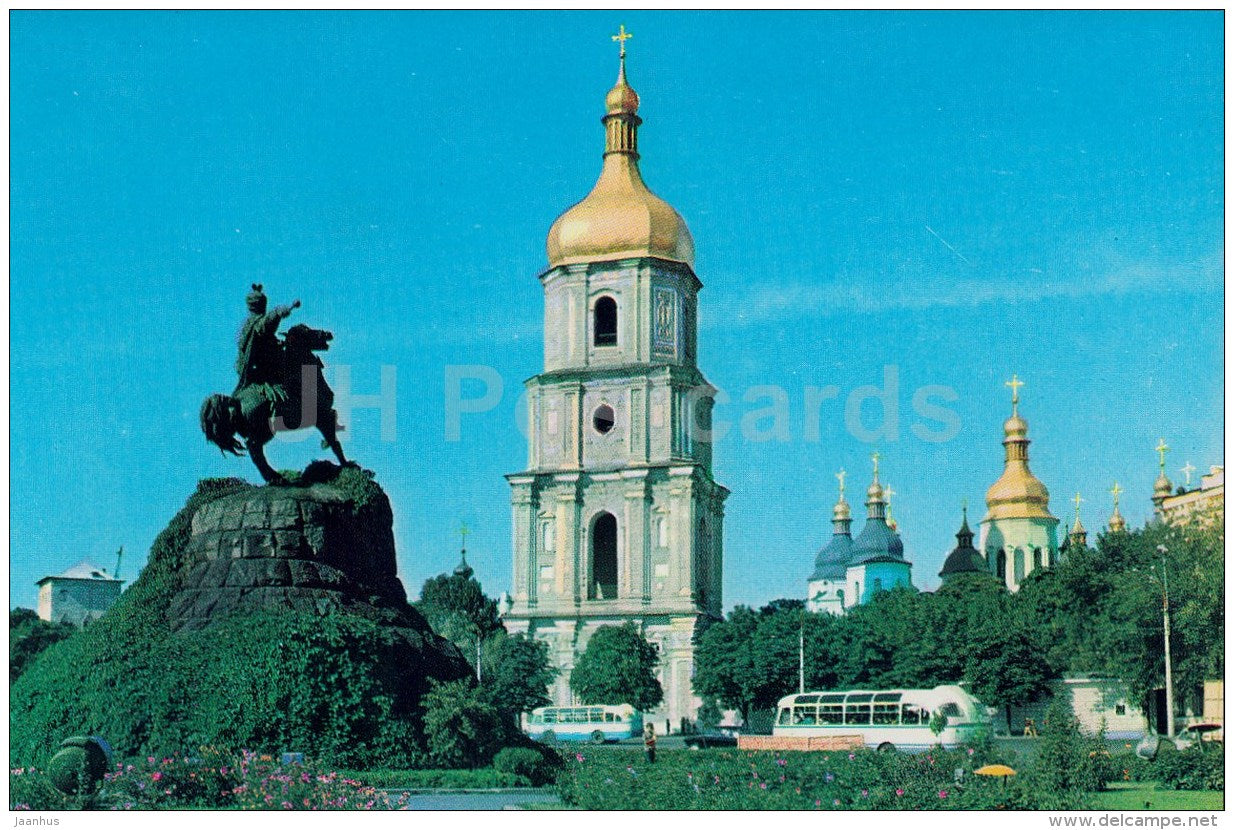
(1165, 617)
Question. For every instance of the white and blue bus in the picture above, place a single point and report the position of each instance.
(597, 724)
(888, 719)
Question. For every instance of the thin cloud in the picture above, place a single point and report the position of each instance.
(801, 297)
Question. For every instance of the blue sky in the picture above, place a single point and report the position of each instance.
(959, 196)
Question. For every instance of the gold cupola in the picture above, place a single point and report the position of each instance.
(620, 218)
(1117, 523)
(1018, 494)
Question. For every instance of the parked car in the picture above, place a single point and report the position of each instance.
(1186, 737)
(708, 740)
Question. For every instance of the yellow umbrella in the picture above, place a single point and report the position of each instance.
(996, 771)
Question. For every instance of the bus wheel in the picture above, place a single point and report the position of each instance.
(886, 746)
(597, 737)
(548, 736)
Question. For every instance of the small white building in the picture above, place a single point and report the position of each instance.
(79, 595)
(1094, 700)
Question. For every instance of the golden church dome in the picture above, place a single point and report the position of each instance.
(1018, 494)
(620, 218)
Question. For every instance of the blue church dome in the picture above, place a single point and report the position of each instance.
(833, 558)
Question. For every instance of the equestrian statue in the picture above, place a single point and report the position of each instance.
(281, 388)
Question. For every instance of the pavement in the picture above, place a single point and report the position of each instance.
(513, 799)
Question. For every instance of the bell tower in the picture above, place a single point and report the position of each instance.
(617, 517)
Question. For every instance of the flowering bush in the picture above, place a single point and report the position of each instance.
(607, 779)
(214, 781)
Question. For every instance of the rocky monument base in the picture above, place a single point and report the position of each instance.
(269, 618)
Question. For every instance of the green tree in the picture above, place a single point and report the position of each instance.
(1005, 668)
(618, 666)
(463, 728)
(29, 636)
(723, 662)
(517, 673)
(458, 609)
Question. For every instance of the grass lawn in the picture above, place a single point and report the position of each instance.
(1131, 796)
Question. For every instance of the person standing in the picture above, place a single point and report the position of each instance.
(649, 742)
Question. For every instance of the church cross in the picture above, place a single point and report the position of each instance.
(1187, 471)
(621, 37)
(1078, 498)
(1116, 491)
(841, 475)
(888, 492)
(875, 457)
(1015, 383)
(463, 532)
(1161, 450)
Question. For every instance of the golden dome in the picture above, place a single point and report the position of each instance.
(621, 98)
(1117, 523)
(842, 511)
(1162, 486)
(1018, 494)
(621, 217)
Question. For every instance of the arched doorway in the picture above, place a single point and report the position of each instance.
(604, 557)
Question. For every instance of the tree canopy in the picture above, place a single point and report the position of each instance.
(1098, 611)
(618, 666)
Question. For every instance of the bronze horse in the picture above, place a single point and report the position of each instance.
(257, 412)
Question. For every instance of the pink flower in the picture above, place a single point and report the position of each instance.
(865, 793)
(942, 793)
(971, 751)
(158, 776)
(763, 785)
(578, 757)
(818, 803)
(899, 791)
(851, 756)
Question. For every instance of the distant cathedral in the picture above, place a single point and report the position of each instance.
(617, 517)
(849, 571)
(1018, 534)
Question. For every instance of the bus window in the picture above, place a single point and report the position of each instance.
(549, 716)
(886, 713)
(809, 715)
(859, 713)
(911, 714)
(951, 710)
(784, 716)
(831, 713)
(888, 697)
(806, 699)
(831, 698)
(864, 697)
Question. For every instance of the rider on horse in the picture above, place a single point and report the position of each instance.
(260, 360)
(280, 388)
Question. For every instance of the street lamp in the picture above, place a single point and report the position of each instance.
(1165, 617)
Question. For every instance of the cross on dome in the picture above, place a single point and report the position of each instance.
(1162, 447)
(1015, 383)
(1187, 471)
(621, 37)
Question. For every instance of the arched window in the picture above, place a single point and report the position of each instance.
(606, 321)
(878, 585)
(1001, 564)
(604, 557)
(1038, 559)
(1020, 561)
(549, 541)
(662, 531)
